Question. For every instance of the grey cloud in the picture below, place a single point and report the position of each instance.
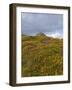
(32, 23)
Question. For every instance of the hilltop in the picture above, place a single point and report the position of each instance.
(40, 34)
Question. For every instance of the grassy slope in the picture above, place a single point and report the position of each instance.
(41, 56)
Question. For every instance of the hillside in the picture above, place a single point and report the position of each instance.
(41, 56)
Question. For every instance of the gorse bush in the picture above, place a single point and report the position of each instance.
(41, 56)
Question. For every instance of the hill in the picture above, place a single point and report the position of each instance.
(40, 34)
(41, 56)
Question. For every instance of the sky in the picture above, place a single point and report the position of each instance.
(49, 24)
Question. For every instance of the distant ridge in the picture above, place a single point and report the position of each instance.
(55, 35)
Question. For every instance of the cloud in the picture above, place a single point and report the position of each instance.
(32, 23)
(54, 35)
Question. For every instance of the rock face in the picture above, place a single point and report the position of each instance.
(40, 34)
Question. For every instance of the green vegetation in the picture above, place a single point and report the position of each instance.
(41, 56)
